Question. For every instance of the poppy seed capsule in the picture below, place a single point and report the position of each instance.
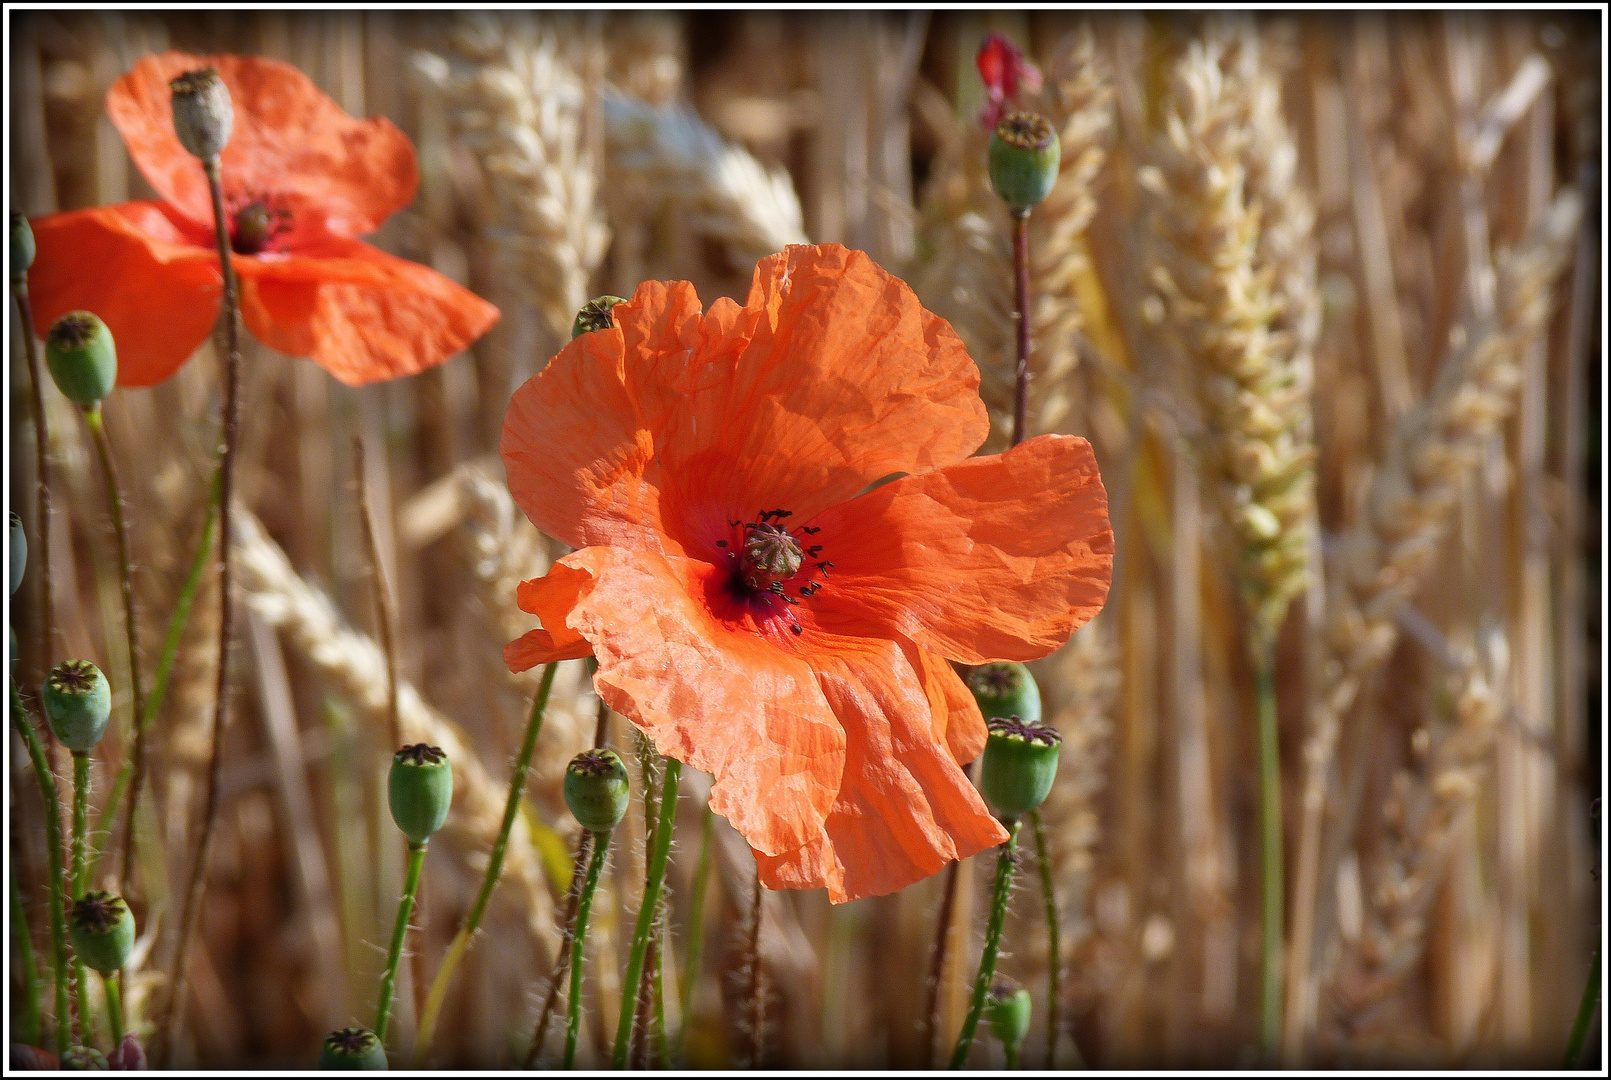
(421, 790)
(78, 703)
(129, 1055)
(22, 245)
(597, 789)
(18, 556)
(203, 114)
(595, 315)
(1007, 1011)
(1024, 154)
(84, 1058)
(82, 358)
(352, 1048)
(1020, 763)
(102, 931)
(1005, 690)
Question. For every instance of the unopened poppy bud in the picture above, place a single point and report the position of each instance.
(1024, 153)
(595, 315)
(102, 931)
(1020, 763)
(421, 790)
(84, 1058)
(78, 703)
(203, 114)
(18, 556)
(1007, 1010)
(22, 245)
(1005, 690)
(597, 789)
(82, 358)
(128, 1057)
(352, 1048)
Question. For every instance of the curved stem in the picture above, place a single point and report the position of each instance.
(646, 912)
(53, 866)
(992, 946)
(28, 1024)
(226, 471)
(114, 1004)
(584, 907)
(1020, 266)
(405, 908)
(1271, 854)
(131, 625)
(1054, 951)
(36, 391)
(562, 959)
(489, 880)
(696, 936)
(1585, 1015)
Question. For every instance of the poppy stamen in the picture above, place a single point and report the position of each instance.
(256, 223)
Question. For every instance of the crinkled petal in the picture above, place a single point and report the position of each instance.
(997, 558)
(289, 140)
(151, 277)
(957, 718)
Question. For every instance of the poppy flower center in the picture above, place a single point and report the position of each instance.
(766, 557)
(256, 225)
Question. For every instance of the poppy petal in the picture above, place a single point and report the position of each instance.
(289, 140)
(997, 558)
(359, 313)
(147, 275)
(905, 807)
(957, 718)
(725, 701)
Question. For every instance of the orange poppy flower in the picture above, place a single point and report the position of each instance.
(759, 612)
(302, 181)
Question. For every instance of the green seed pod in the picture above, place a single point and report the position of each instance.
(19, 552)
(1020, 763)
(203, 114)
(82, 358)
(1007, 1011)
(421, 790)
(595, 315)
(1024, 153)
(102, 931)
(597, 789)
(352, 1048)
(84, 1058)
(78, 703)
(22, 245)
(1005, 690)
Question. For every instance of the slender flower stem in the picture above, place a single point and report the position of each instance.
(662, 1046)
(489, 880)
(405, 908)
(584, 907)
(28, 1024)
(1020, 266)
(562, 959)
(385, 620)
(114, 1004)
(757, 998)
(1586, 1009)
(643, 1010)
(1271, 854)
(1011, 1051)
(942, 945)
(646, 912)
(131, 623)
(992, 946)
(226, 474)
(36, 387)
(53, 866)
(1054, 964)
(696, 936)
(81, 781)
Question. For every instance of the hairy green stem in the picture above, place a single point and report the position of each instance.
(646, 912)
(1271, 854)
(81, 764)
(696, 937)
(405, 908)
(562, 959)
(992, 946)
(28, 1024)
(1586, 1009)
(36, 391)
(53, 866)
(643, 1019)
(489, 880)
(584, 907)
(1054, 952)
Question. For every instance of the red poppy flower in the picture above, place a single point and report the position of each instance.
(302, 181)
(1004, 71)
(759, 612)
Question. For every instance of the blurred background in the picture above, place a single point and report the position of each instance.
(1396, 188)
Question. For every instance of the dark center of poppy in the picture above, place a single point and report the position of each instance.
(997, 680)
(257, 224)
(421, 754)
(770, 556)
(73, 677)
(353, 1040)
(765, 557)
(97, 911)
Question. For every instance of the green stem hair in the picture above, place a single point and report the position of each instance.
(28, 1024)
(405, 908)
(646, 913)
(53, 867)
(489, 880)
(584, 907)
(992, 946)
(81, 764)
(1054, 951)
